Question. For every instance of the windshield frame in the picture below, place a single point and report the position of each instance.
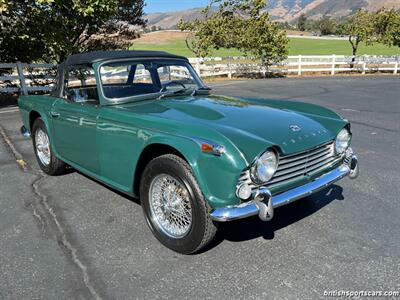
(150, 96)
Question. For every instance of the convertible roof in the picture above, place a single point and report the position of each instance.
(97, 56)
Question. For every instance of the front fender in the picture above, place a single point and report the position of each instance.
(217, 176)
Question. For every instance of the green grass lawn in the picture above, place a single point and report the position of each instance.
(296, 46)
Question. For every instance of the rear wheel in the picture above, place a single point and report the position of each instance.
(46, 159)
(174, 207)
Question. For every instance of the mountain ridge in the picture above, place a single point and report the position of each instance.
(283, 10)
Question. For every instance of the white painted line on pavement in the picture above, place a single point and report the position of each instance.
(226, 84)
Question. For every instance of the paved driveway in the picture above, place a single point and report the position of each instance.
(70, 237)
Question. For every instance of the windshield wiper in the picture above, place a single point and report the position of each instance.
(204, 90)
(194, 92)
(168, 94)
(181, 91)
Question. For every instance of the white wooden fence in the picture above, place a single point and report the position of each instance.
(24, 78)
(297, 65)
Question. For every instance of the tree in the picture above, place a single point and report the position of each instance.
(240, 24)
(262, 38)
(49, 30)
(302, 22)
(387, 27)
(327, 26)
(360, 28)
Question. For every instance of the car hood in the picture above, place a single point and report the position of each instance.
(252, 126)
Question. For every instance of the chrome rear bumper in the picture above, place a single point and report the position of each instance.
(263, 203)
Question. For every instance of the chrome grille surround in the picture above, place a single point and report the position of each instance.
(296, 166)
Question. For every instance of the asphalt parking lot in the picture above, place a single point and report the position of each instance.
(69, 237)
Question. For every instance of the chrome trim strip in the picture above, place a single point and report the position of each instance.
(329, 143)
(300, 163)
(248, 209)
(331, 161)
(296, 157)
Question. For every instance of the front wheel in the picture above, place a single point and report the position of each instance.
(46, 159)
(174, 207)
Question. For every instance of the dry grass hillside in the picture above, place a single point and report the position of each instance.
(285, 10)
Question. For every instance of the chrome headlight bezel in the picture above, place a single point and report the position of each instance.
(342, 141)
(267, 162)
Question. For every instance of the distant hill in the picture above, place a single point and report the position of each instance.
(284, 10)
(170, 19)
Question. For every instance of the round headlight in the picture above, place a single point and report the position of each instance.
(264, 167)
(342, 141)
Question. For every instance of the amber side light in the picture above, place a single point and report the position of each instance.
(207, 148)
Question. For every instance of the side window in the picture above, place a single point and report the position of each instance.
(114, 75)
(80, 85)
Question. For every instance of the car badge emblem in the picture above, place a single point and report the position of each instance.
(295, 128)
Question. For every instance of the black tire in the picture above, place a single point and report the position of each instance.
(55, 166)
(202, 229)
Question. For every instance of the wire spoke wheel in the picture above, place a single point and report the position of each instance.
(42, 146)
(170, 206)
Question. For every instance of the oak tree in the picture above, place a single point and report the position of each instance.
(240, 24)
(49, 30)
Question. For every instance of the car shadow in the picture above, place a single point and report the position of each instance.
(252, 228)
(126, 196)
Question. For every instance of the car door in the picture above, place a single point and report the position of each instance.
(74, 119)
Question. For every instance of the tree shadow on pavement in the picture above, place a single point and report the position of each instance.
(252, 228)
(8, 100)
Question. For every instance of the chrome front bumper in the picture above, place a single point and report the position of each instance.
(263, 203)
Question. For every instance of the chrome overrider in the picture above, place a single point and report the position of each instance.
(263, 203)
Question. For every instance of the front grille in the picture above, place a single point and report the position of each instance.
(297, 166)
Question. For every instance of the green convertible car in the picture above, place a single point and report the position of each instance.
(144, 123)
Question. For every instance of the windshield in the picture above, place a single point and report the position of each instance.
(129, 80)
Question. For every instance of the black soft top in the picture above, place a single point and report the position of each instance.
(89, 58)
(97, 56)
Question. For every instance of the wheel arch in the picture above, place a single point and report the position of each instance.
(33, 115)
(215, 175)
(149, 153)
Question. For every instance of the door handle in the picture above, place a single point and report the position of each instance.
(54, 114)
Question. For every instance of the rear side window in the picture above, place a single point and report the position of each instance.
(81, 85)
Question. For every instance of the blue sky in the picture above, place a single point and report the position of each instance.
(172, 5)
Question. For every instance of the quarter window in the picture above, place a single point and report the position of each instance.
(81, 85)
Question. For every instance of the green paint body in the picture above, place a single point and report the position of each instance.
(106, 142)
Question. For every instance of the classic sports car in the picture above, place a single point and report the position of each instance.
(145, 124)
